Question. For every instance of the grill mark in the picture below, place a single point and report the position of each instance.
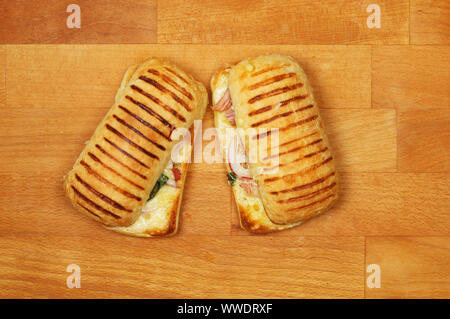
(141, 120)
(118, 161)
(309, 169)
(293, 150)
(91, 171)
(269, 69)
(275, 92)
(313, 203)
(87, 209)
(151, 112)
(100, 195)
(296, 148)
(282, 103)
(177, 75)
(262, 135)
(297, 159)
(309, 195)
(126, 139)
(297, 139)
(301, 122)
(273, 118)
(124, 152)
(304, 121)
(121, 121)
(172, 83)
(95, 158)
(315, 153)
(304, 186)
(271, 80)
(93, 204)
(163, 89)
(159, 102)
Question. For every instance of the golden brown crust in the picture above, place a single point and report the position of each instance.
(272, 92)
(113, 176)
(251, 225)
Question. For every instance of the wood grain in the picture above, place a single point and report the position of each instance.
(385, 108)
(281, 22)
(340, 75)
(362, 140)
(429, 22)
(209, 213)
(411, 267)
(406, 77)
(381, 204)
(102, 21)
(2, 75)
(424, 140)
(182, 267)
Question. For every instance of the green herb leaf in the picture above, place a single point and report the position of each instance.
(231, 178)
(162, 180)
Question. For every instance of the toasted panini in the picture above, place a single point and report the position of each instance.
(271, 93)
(160, 215)
(252, 215)
(115, 173)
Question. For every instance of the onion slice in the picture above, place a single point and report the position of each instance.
(224, 102)
(172, 183)
(230, 115)
(234, 154)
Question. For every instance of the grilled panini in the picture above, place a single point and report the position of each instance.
(272, 92)
(114, 175)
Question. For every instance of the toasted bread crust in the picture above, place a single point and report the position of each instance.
(273, 92)
(116, 171)
(252, 216)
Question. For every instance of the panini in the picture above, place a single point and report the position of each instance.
(130, 151)
(297, 178)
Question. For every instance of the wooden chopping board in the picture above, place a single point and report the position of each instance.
(386, 108)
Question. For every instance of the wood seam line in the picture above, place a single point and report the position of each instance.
(365, 265)
(157, 22)
(371, 76)
(409, 23)
(4, 75)
(396, 141)
(231, 214)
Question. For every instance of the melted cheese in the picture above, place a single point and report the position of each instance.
(155, 216)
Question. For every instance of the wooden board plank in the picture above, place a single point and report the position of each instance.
(362, 140)
(281, 22)
(411, 77)
(35, 202)
(334, 71)
(381, 204)
(373, 149)
(411, 267)
(102, 21)
(367, 207)
(429, 22)
(180, 267)
(424, 140)
(2, 75)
